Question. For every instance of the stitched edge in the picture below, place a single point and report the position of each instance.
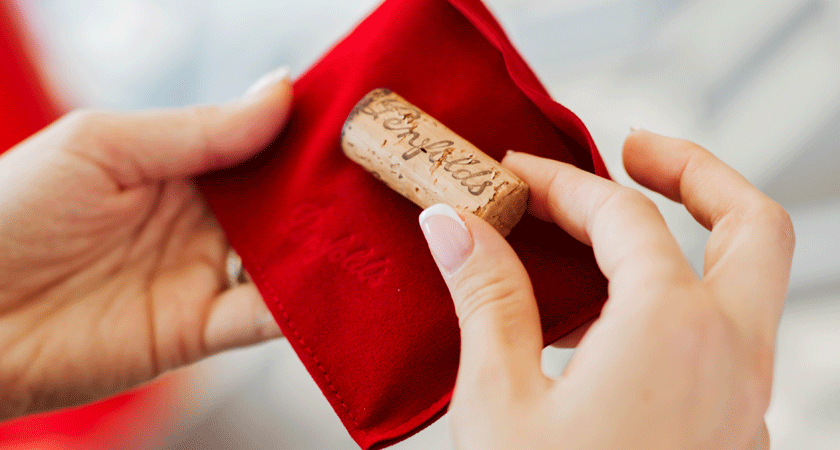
(276, 300)
(481, 26)
(441, 402)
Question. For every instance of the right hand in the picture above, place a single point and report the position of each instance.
(674, 361)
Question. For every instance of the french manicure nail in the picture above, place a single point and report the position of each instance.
(449, 239)
(267, 80)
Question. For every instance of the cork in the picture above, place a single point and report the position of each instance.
(428, 163)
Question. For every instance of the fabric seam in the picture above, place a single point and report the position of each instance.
(276, 300)
(261, 277)
(547, 332)
(379, 436)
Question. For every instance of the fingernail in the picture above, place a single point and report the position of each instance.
(449, 239)
(635, 127)
(268, 80)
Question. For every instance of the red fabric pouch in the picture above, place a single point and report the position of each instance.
(340, 258)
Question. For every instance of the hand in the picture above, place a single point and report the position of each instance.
(674, 361)
(112, 267)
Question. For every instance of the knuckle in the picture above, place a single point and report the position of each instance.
(202, 114)
(202, 120)
(623, 199)
(83, 121)
(615, 206)
(557, 183)
(82, 127)
(692, 148)
(628, 196)
(774, 218)
(766, 218)
(698, 164)
(486, 293)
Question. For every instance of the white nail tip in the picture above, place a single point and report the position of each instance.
(441, 209)
(269, 79)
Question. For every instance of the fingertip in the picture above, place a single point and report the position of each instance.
(514, 158)
(282, 97)
(523, 165)
(273, 91)
(655, 161)
(485, 237)
(632, 149)
(492, 296)
(257, 118)
(632, 144)
(536, 172)
(448, 237)
(268, 81)
(273, 101)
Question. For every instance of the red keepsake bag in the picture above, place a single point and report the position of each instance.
(340, 259)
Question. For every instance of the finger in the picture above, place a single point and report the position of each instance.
(137, 147)
(238, 318)
(750, 249)
(631, 242)
(501, 340)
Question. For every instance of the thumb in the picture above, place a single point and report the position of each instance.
(136, 147)
(501, 341)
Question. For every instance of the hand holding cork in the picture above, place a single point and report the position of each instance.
(428, 163)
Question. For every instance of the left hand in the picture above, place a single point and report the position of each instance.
(112, 267)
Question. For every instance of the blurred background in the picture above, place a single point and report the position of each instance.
(755, 81)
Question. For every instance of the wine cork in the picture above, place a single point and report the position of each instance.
(428, 163)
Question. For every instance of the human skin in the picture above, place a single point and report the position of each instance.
(112, 272)
(675, 360)
(112, 267)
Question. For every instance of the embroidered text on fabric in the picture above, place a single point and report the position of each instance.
(346, 249)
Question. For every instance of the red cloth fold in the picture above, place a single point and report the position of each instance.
(340, 258)
(24, 105)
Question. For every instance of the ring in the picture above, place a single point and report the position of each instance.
(234, 270)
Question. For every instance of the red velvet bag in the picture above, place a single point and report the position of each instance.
(340, 259)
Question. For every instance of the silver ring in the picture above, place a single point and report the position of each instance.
(234, 270)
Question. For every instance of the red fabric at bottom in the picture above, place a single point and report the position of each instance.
(340, 259)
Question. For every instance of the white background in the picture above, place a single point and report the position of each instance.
(755, 81)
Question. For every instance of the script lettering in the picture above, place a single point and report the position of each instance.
(399, 117)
